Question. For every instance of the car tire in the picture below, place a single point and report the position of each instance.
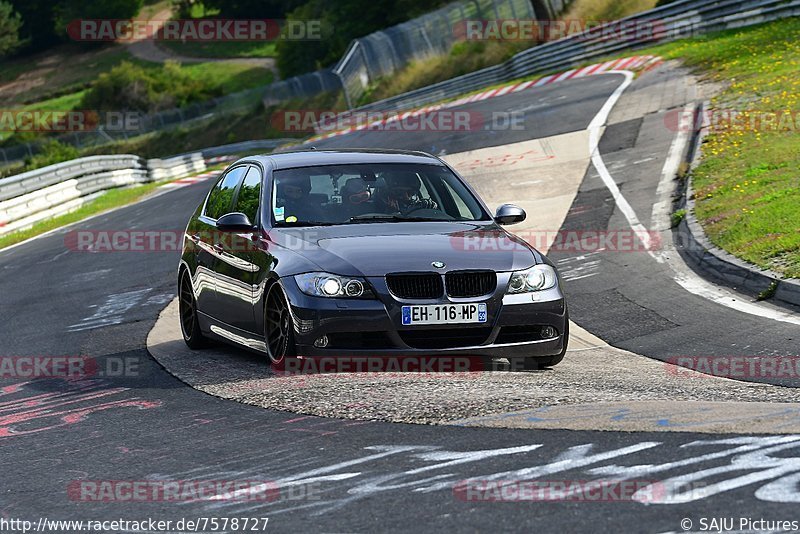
(534, 363)
(187, 305)
(278, 328)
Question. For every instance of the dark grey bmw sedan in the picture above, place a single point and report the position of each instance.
(362, 253)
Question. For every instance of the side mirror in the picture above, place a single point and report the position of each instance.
(509, 214)
(234, 222)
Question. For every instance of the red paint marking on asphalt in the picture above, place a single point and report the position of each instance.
(644, 62)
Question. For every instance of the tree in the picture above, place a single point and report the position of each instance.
(69, 10)
(253, 9)
(342, 21)
(10, 23)
(37, 22)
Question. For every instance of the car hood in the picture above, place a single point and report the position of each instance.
(374, 249)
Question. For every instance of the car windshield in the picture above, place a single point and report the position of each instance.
(359, 194)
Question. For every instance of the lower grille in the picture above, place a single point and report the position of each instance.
(359, 340)
(445, 338)
(415, 285)
(519, 334)
(470, 283)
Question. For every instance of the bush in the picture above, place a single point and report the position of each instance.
(68, 10)
(52, 152)
(130, 87)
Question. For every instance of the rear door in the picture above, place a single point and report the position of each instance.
(209, 240)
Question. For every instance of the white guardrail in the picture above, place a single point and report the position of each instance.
(683, 18)
(37, 195)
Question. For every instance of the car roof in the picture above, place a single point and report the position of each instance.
(311, 158)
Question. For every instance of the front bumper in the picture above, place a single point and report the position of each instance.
(361, 327)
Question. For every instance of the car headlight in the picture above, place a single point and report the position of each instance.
(333, 285)
(537, 278)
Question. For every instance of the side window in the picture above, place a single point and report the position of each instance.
(221, 197)
(249, 194)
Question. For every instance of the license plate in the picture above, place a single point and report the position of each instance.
(444, 314)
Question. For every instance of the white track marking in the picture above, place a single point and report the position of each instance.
(595, 128)
(659, 220)
(682, 274)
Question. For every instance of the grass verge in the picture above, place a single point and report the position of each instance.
(222, 49)
(599, 10)
(464, 57)
(747, 186)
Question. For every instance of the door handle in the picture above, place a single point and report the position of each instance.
(219, 248)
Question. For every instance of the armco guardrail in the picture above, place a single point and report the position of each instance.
(176, 166)
(245, 147)
(20, 184)
(37, 195)
(57, 189)
(679, 19)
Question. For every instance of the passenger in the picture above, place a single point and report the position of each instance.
(355, 198)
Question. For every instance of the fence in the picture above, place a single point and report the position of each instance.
(386, 51)
(144, 123)
(679, 19)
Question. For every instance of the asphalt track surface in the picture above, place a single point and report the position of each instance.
(361, 476)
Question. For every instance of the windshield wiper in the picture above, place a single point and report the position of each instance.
(392, 218)
(297, 224)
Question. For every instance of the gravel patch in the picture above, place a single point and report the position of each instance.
(589, 376)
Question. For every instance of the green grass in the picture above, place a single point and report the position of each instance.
(221, 78)
(599, 10)
(229, 76)
(256, 123)
(62, 70)
(114, 198)
(222, 49)
(49, 83)
(464, 57)
(59, 103)
(747, 187)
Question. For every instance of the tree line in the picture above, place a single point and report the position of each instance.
(28, 26)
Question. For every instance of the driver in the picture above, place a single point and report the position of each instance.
(402, 193)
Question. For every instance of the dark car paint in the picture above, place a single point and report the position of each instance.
(231, 279)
